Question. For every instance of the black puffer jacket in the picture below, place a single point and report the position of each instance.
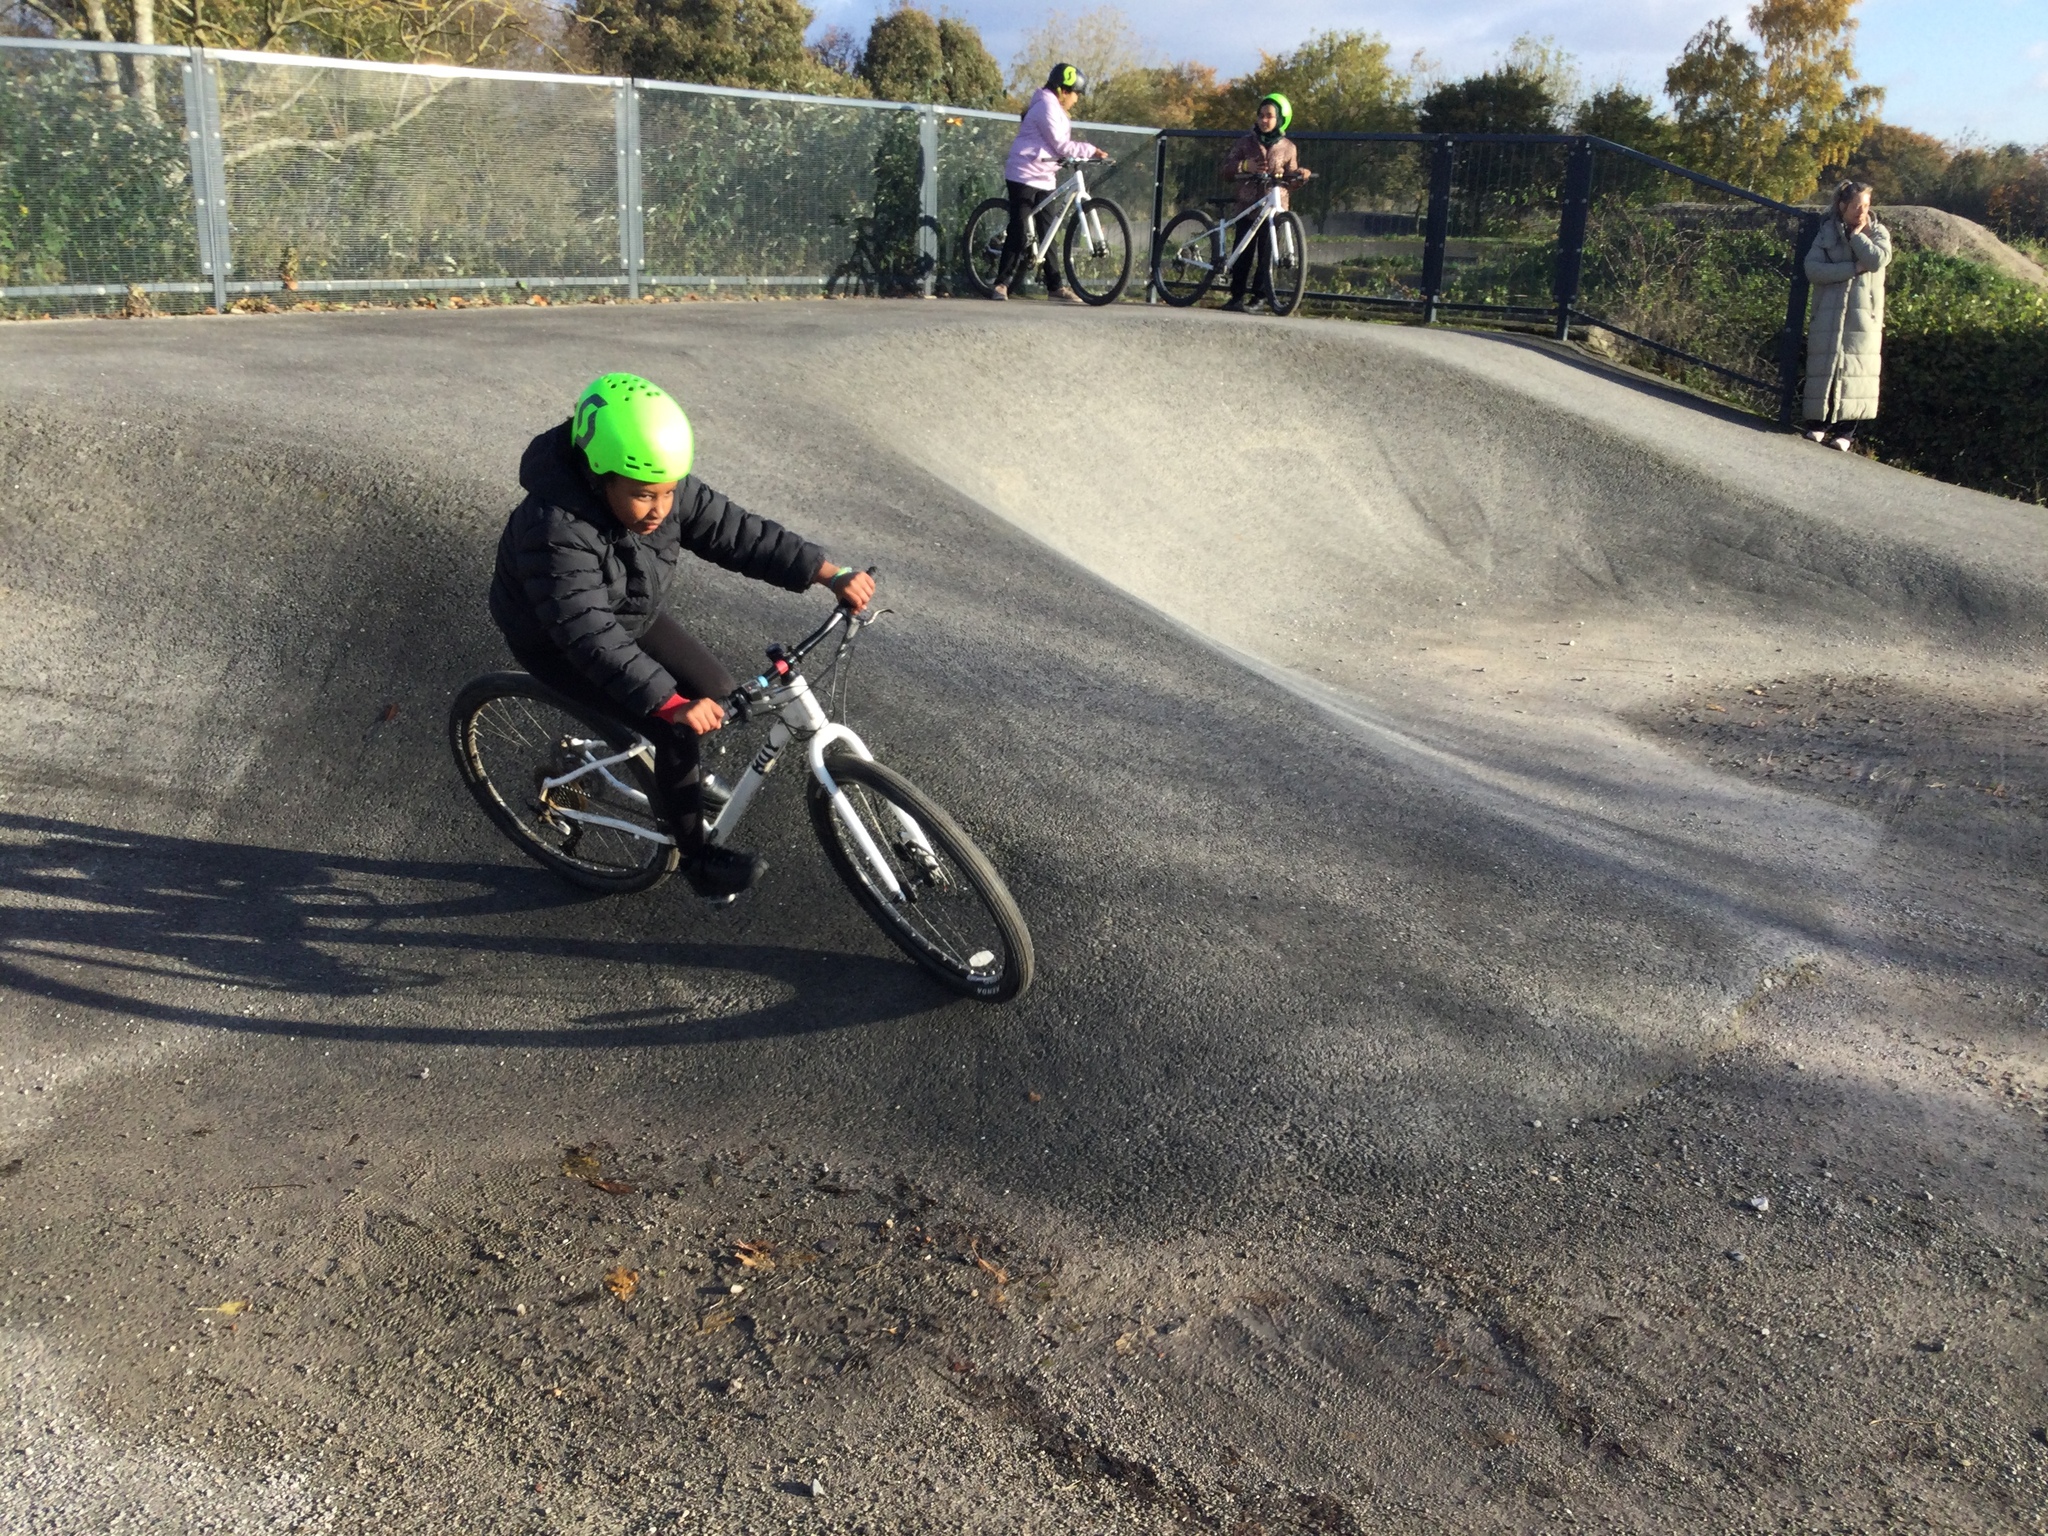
(573, 579)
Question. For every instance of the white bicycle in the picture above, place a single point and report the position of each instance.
(1097, 251)
(575, 791)
(1191, 253)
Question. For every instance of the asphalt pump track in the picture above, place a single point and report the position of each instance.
(1536, 881)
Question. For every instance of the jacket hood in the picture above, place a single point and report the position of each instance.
(549, 470)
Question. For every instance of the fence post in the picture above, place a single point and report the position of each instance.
(632, 232)
(209, 173)
(1439, 226)
(1573, 205)
(1790, 339)
(1158, 213)
(928, 199)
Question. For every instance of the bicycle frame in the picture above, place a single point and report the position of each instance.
(801, 718)
(1262, 219)
(1075, 190)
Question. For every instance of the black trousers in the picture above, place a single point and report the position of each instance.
(698, 675)
(1241, 269)
(1017, 243)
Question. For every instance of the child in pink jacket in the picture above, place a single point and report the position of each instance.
(1044, 139)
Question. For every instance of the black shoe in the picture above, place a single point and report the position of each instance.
(1236, 304)
(719, 874)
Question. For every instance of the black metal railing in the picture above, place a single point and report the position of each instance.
(1640, 257)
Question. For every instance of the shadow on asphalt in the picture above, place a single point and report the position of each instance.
(164, 914)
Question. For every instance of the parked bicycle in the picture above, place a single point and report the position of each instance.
(1097, 249)
(575, 791)
(1195, 249)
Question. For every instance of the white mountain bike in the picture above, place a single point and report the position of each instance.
(1097, 252)
(1195, 249)
(575, 790)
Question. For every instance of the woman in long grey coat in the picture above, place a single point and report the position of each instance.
(1845, 343)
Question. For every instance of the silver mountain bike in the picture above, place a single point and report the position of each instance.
(1195, 250)
(574, 790)
(1097, 249)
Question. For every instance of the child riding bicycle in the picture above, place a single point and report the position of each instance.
(1044, 139)
(585, 561)
(1265, 152)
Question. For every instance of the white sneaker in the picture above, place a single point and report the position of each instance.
(1815, 436)
(1000, 291)
(1064, 296)
(1842, 443)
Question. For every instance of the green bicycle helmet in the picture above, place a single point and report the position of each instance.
(627, 426)
(1280, 104)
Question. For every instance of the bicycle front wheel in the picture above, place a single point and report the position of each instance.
(1098, 251)
(981, 247)
(1290, 263)
(919, 876)
(1185, 264)
(602, 830)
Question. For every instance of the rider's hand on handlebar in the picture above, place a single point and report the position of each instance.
(852, 587)
(704, 716)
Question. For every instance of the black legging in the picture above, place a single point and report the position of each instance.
(698, 675)
(1241, 269)
(1017, 242)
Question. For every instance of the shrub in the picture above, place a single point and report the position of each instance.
(1965, 376)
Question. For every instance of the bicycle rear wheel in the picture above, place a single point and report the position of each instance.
(1185, 264)
(1290, 263)
(954, 916)
(981, 247)
(509, 733)
(1098, 251)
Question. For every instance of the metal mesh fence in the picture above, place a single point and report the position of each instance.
(743, 188)
(346, 175)
(95, 178)
(1690, 270)
(170, 178)
(1500, 247)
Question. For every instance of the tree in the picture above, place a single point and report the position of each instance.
(973, 77)
(756, 44)
(1339, 82)
(1901, 166)
(1622, 116)
(1100, 43)
(1157, 96)
(1542, 60)
(910, 56)
(1503, 100)
(406, 31)
(1772, 117)
(903, 60)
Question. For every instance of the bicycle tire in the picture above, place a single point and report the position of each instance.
(512, 722)
(1098, 263)
(999, 941)
(981, 248)
(1180, 274)
(1289, 274)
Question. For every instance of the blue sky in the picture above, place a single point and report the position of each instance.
(1950, 66)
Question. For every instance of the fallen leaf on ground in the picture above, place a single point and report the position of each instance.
(611, 1186)
(1033, 1097)
(712, 1321)
(1126, 1344)
(622, 1282)
(577, 1163)
(228, 1308)
(759, 1256)
(390, 714)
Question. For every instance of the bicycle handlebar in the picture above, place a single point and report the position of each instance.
(784, 660)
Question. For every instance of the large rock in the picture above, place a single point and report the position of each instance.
(1948, 234)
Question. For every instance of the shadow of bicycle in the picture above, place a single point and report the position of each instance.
(287, 941)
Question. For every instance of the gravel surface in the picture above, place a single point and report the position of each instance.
(1536, 886)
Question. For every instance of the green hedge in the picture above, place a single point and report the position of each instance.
(1965, 395)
